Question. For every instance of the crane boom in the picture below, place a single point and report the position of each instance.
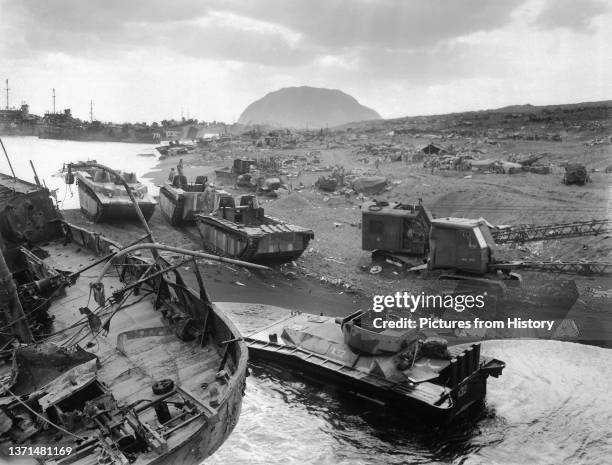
(527, 233)
(582, 268)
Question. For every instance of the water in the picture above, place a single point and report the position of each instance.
(550, 406)
(49, 156)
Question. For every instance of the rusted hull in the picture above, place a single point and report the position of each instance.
(209, 437)
(233, 242)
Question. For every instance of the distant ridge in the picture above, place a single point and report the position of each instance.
(557, 118)
(527, 108)
(301, 107)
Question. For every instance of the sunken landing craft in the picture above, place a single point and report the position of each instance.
(133, 367)
(244, 232)
(103, 197)
(399, 369)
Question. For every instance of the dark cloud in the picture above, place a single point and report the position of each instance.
(214, 41)
(323, 27)
(570, 14)
(103, 29)
(389, 23)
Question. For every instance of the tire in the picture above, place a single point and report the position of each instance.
(163, 386)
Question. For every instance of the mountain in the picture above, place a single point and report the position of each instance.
(301, 107)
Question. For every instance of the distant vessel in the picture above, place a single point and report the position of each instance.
(103, 197)
(243, 231)
(148, 373)
(63, 126)
(173, 149)
(394, 368)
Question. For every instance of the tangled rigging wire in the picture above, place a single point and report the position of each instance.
(97, 312)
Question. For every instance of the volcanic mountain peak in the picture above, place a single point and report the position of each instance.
(300, 107)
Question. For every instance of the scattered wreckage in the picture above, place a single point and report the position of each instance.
(576, 173)
(251, 174)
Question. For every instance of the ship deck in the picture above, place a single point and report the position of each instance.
(154, 356)
(138, 351)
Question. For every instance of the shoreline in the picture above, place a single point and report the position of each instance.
(193, 163)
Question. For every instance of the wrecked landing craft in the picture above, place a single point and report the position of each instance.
(244, 232)
(180, 200)
(152, 372)
(395, 368)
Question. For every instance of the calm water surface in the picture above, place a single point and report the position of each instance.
(551, 406)
(49, 156)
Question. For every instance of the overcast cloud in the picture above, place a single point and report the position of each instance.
(209, 59)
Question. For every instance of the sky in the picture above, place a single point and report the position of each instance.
(209, 59)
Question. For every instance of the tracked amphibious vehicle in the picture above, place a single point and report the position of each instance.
(180, 200)
(406, 371)
(243, 231)
(103, 195)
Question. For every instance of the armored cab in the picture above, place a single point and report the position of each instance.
(396, 228)
(461, 244)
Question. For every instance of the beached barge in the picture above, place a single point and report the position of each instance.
(392, 368)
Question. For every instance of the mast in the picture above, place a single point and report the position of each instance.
(91, 111)
(54, 100)
(7, 95)
(8, 160)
